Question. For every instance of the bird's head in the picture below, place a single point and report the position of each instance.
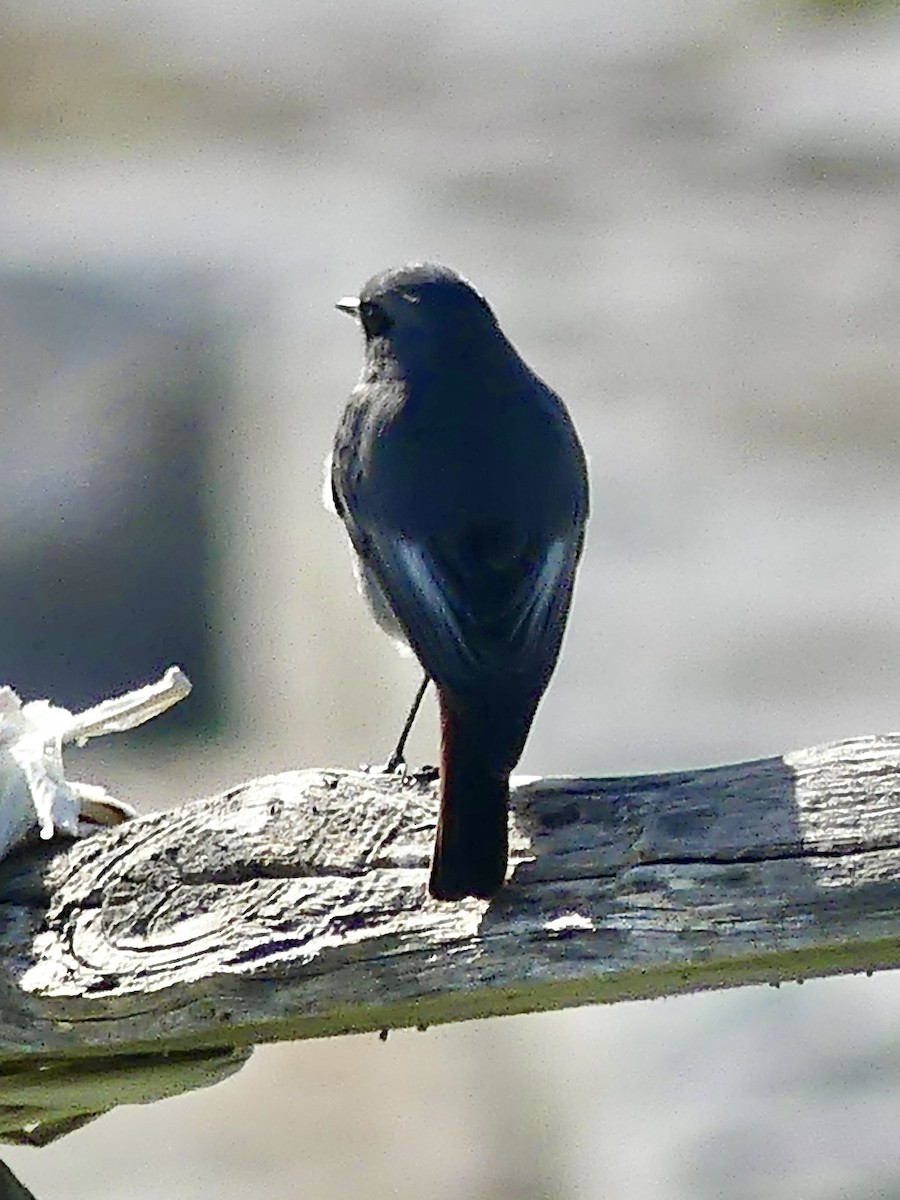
(422, 302)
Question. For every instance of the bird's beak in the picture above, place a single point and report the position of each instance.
(349, 305)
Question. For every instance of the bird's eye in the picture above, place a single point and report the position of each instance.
(375, 320)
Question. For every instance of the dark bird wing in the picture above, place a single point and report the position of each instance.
(484, 609)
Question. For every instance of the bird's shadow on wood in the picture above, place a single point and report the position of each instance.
(570, 830)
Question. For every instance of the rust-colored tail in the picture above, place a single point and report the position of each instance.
(470, 848)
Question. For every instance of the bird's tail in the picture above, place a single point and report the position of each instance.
(471, 845)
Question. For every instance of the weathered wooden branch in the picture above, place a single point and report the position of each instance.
(149, 959)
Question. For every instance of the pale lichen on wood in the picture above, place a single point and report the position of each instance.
(149, 959)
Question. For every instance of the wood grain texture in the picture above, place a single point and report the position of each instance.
(149, 959)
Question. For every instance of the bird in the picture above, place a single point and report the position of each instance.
(463, 488)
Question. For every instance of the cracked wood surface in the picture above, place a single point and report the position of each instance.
(148, 960)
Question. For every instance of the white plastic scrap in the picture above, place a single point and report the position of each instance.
(33, 786)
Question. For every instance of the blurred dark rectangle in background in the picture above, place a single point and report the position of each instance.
(106, 515)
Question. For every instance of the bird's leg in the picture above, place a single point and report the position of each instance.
(398, 758)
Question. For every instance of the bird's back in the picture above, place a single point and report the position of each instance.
(442, 466)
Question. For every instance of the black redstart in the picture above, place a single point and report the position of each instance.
(462, 485)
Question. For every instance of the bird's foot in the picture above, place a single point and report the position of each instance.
(401, 768)
(425, 774)
(393, 766)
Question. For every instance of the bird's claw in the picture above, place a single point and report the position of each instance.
(393, 766)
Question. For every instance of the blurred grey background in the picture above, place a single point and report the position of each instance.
(685, 213)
